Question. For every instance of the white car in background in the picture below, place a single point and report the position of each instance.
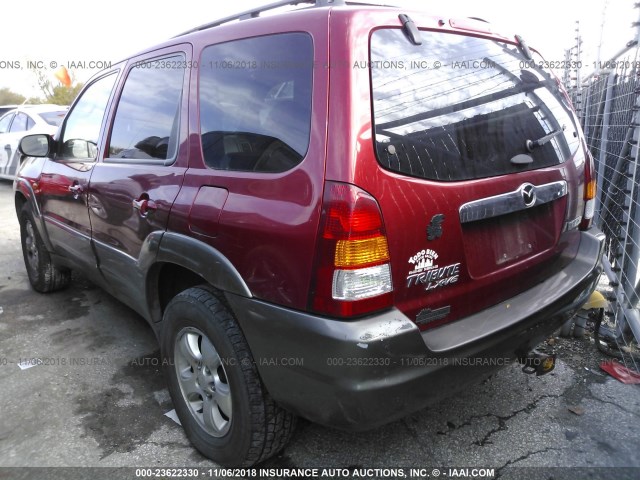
(25, 120)
(5, 108)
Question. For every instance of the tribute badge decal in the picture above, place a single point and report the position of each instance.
(426, 272)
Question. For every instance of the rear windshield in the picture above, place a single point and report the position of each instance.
(54, 118)
(459, 108)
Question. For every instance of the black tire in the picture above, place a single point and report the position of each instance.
(44, 276)
(256, 428)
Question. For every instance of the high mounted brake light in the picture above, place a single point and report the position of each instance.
(352, 274)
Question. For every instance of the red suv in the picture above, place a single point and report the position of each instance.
(338, 212)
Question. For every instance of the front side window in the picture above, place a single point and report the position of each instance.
(255, 103)
(459, 107)
(5, 122)
(148, 114)
(82, 127)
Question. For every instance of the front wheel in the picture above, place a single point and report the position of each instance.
(44, 276)
(225, 410)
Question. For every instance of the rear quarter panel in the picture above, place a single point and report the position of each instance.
(267, 223)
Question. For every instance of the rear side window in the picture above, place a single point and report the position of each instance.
(19, 123)
(255, 102)
(54, 118)
(148, 114)
(459, 108)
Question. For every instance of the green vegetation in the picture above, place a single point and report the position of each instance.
(55, 94)
(7, 97)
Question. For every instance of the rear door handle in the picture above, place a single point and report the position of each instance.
(76, 190)
(144, 205)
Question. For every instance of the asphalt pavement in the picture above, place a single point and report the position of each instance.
(81, 386)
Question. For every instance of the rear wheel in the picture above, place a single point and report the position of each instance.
(215, 387)
(44, 276)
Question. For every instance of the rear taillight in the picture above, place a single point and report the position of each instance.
(352, 270)
(589, 192)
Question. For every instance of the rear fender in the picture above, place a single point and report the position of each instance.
(198, 257)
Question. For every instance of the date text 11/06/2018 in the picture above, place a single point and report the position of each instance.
(403, 472)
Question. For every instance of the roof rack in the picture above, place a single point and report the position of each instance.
(253, 13)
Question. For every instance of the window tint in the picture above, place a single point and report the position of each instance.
(82, 126)
(148, 114)
(5, 122)
(255, 102)
(19, 123)
(470, 116)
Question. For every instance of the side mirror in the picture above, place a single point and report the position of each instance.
(39, 145)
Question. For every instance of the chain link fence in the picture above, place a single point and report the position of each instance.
(608, 105)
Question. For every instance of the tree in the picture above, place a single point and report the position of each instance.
(57, 94)
(7, 97)
(35, 101)
(64, 95)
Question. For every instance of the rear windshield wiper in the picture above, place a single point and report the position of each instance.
(524, 48)
(531, 144)
(410, 29)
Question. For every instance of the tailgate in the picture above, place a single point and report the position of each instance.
(479, 151)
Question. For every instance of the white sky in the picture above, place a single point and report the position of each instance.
(110, 31)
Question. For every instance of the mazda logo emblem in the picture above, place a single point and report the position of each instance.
(528, 194)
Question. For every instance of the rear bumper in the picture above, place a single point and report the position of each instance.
(361, 374)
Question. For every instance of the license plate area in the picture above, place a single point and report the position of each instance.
(501, 241)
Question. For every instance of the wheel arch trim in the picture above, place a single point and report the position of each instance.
(198, 257)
